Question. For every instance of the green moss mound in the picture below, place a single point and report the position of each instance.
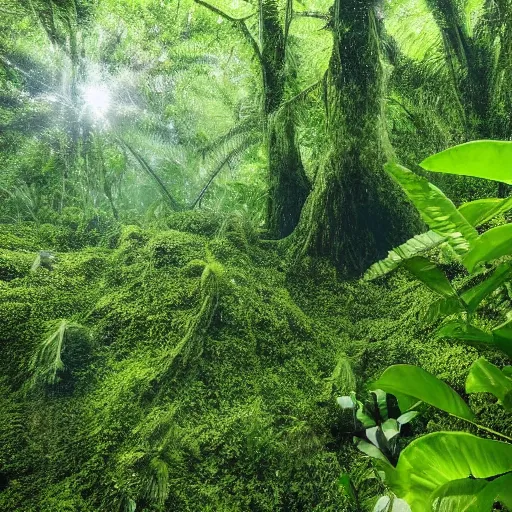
(202, 376)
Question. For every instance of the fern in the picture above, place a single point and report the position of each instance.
(46, 364)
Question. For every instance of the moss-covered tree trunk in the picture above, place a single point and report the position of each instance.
(479, 64)
(354, 214)
(288, 184)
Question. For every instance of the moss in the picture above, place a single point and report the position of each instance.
(198, 222)
(14, 264)
(174, 248)
(243, 417)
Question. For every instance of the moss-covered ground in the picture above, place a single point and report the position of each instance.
(201, 373)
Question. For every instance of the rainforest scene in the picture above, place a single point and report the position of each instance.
(255, 255)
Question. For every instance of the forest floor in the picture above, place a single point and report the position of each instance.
(199, 370)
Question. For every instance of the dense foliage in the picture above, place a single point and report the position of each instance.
(197, 312)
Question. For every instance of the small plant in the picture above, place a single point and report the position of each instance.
(47, 364)
(377, 424)
(378, 427)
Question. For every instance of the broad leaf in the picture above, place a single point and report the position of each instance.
(418, 383)
(436, 459)
(380, 401)
(458, 496)
(391, 428)
(483, 210)
(431, 275)
(465, 332)
(489, 159)
(478, 293)
(407, 417)
(484, 377)
(346, 402)
(345, 483)
(386, 504)
(472, 495)
(371, 450)
(413, 247)
(442, 308)
(435, 208)
(492, 244)
(502, 337)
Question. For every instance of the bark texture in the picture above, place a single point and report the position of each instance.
(355, 214)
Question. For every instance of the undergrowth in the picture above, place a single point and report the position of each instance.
(201, 373)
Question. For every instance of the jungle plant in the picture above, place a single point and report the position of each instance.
(451, 470)
(485, 256)
(378, 427)
(48, 366)
(191, 345)
(377, 424)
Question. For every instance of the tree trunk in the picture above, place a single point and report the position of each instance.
(355, 214)
(288, 184)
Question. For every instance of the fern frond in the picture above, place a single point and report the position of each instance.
(46, 364)
(413, 247)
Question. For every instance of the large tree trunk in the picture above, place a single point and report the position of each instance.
(478, 64)
(355, 214)
(288, 184)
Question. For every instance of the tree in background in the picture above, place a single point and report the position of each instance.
(355, 212)
(288, 185)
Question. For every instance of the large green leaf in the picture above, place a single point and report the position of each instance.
(482, 210)
(417, 383)
(442, 308)
(371, 450)
(488, 159)
(502, 337)
(465, 332)
(475, 295)
(435, 208)
(436, 459)
(484, 377)
(472, 495)
(431, 275)
(413, 247)
(492, 244)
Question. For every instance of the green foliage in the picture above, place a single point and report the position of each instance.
(47, 364)
(474, 252)
(413, 247)
(435, 208)
(484, 377)
(453, 455)
(441, 458)
(414, 382)
(487, 159)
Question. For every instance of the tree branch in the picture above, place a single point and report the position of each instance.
(239, 22)
(174, 204)
(225, 15)
(312, 14)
